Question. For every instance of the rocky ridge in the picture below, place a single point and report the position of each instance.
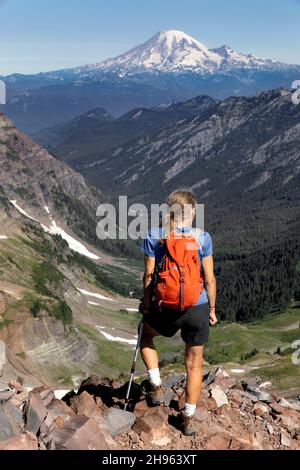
(231, 414)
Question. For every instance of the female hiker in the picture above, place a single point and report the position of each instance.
(179, 294)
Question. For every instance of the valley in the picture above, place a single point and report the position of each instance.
(101, 336)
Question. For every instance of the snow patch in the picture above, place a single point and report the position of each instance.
(74, 244)
(10, 292)
(237, 371)
(54, 229)
(138, 114)
(59, 394)
(14, 203)
(3, 237)
(117, 339)
(97, 296)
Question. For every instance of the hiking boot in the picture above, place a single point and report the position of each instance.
(154, 392)
(187, 424)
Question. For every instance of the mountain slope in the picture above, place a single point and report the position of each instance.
(168, 51)
(240, 137)
(87, 140)
(54, 279)
(243, 163)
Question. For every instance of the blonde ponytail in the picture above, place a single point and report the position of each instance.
(177, 199)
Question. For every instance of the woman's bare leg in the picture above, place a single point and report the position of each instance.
(148, 351)
(193, 364)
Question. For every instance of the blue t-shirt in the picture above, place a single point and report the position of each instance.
(152, 247)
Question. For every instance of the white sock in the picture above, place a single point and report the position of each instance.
(189, 410)
(154, 376)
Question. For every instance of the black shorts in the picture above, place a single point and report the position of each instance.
(193, 323)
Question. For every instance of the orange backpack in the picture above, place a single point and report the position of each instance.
(179, 282)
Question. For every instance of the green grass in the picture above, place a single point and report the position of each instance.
(4, 323)
(292, 315)
(232, 342)
(282, 373)
(46, 278)
(113, 358)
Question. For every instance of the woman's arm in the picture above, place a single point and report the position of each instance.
(148, 282)
(210, 286)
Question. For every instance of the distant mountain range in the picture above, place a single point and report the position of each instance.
(247, 141)
(88, 137)
(169, 66)
(175, 51)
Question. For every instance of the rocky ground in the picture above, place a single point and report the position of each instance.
(231, 414)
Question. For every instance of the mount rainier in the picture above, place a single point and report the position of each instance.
(170, 66)
(176, 51)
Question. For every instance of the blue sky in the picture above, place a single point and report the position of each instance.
(40, 35)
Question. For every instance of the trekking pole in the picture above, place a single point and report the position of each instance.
(141, 326)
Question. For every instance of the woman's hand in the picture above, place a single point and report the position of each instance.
(212, 316)
(143, 309)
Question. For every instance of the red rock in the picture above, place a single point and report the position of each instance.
(16, 385)
(219, 440)
(59, 409)
(47, 426)
(153, 428)
(219, 396)
(270, 428)
(85, 405)
(27, 441)
(275, 395)
(141, 408)
(79, 433)
(291, 423)
(100, 403)
(46, 394)
(201, 415)
(239, 443)
(260, 409)
(285, 440)
(35, 413)
(18, 398)
(238, 386)
(225, 383)
(281, 410)
(59, 422)
(134, 437)
(241, 395)
(287, 404)
(211, 404)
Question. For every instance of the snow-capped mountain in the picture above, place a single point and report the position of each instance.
(167, 51)
(169, 66)
(176, 51)
(233, 59)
